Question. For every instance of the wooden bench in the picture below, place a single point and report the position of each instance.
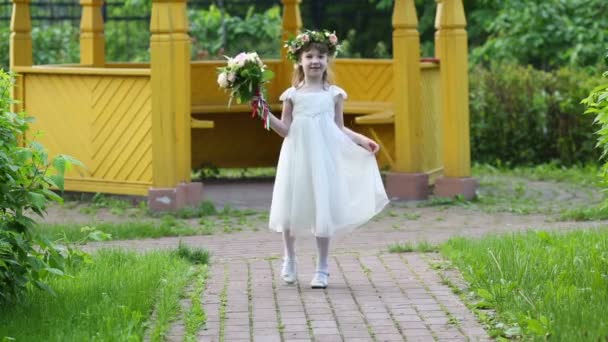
(368, 114)
(374, 112)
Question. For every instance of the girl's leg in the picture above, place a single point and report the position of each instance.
(289, 242)
(320, 281)
(288, 273)
(322, 254)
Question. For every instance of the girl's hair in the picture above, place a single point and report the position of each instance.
(298, 72)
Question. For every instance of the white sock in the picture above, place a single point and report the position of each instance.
(289, 242)
(322, 254)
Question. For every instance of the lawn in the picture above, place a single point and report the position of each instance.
(119, 297)
(540, 284)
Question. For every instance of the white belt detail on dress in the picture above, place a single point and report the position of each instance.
(309, 115)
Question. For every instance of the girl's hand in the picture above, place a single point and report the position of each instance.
(253, 100)
(370, 146)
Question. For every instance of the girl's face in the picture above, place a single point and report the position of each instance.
(314, 63)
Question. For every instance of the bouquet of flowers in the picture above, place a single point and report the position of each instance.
(245, 76)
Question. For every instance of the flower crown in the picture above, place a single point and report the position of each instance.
(305, 38)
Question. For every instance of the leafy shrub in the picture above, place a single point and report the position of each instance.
(5, 34)
(597, 105)
(26, 173)
(546, 34)
(58, 42)
(211, 38)
(520, 115)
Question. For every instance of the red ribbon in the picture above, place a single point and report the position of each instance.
(261, 109)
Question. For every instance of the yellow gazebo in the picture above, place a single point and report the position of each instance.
(139, 127)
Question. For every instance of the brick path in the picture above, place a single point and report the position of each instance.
(384, 297)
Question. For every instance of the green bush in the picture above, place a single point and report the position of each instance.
(546, 34)
(597, 105)
(56, 43)
(520, 115)
(259, 32)
(5, 34)
(26, 173)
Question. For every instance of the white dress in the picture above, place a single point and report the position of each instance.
(325, 183)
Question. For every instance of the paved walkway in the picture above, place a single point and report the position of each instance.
(373, 295)
(385, 297)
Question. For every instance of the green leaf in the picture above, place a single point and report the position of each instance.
(268, 75)
(54, 271)
(536, 327)
(58, 181)
(52, 196)
(60, 165)
(99, 236)
(36, 199)
(485, 294)
(513, 331)
(45, 287)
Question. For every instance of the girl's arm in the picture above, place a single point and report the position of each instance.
(359, 139)
(281, 126)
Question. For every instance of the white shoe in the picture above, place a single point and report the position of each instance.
(289, 271)
(320, 280)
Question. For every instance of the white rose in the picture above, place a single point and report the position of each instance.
(252, 56)
(222, 80)
(231, 77)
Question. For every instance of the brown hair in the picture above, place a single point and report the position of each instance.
(298, 71)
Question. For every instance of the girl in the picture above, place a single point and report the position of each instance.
(327, 179)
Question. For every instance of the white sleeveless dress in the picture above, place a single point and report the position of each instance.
(325, 183)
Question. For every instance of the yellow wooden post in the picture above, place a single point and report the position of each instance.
(92, 41)
(20, 47)
(407, 180)
(451, 49)
(21, 37)
(164, 161)
(292, 23)
(181, 87)
(171, 107)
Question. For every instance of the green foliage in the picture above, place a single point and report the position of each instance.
(213, 38)
(5, 34)
(520, 115)
(56, 43)
(546, 34)
(597, 106)
(26, 174)
(349, 47)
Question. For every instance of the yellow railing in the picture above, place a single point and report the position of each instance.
(99, 116)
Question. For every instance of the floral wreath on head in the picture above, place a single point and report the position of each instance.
(307, 37)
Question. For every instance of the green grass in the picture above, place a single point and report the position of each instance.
(509, 190)
(109, 300)
(195, 318)
(540, 284)
(406, 247)
(155, 225)
(122, 230)
(211, 172)
(593, 213)
(587, 175)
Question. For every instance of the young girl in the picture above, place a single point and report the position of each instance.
(327, 179)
